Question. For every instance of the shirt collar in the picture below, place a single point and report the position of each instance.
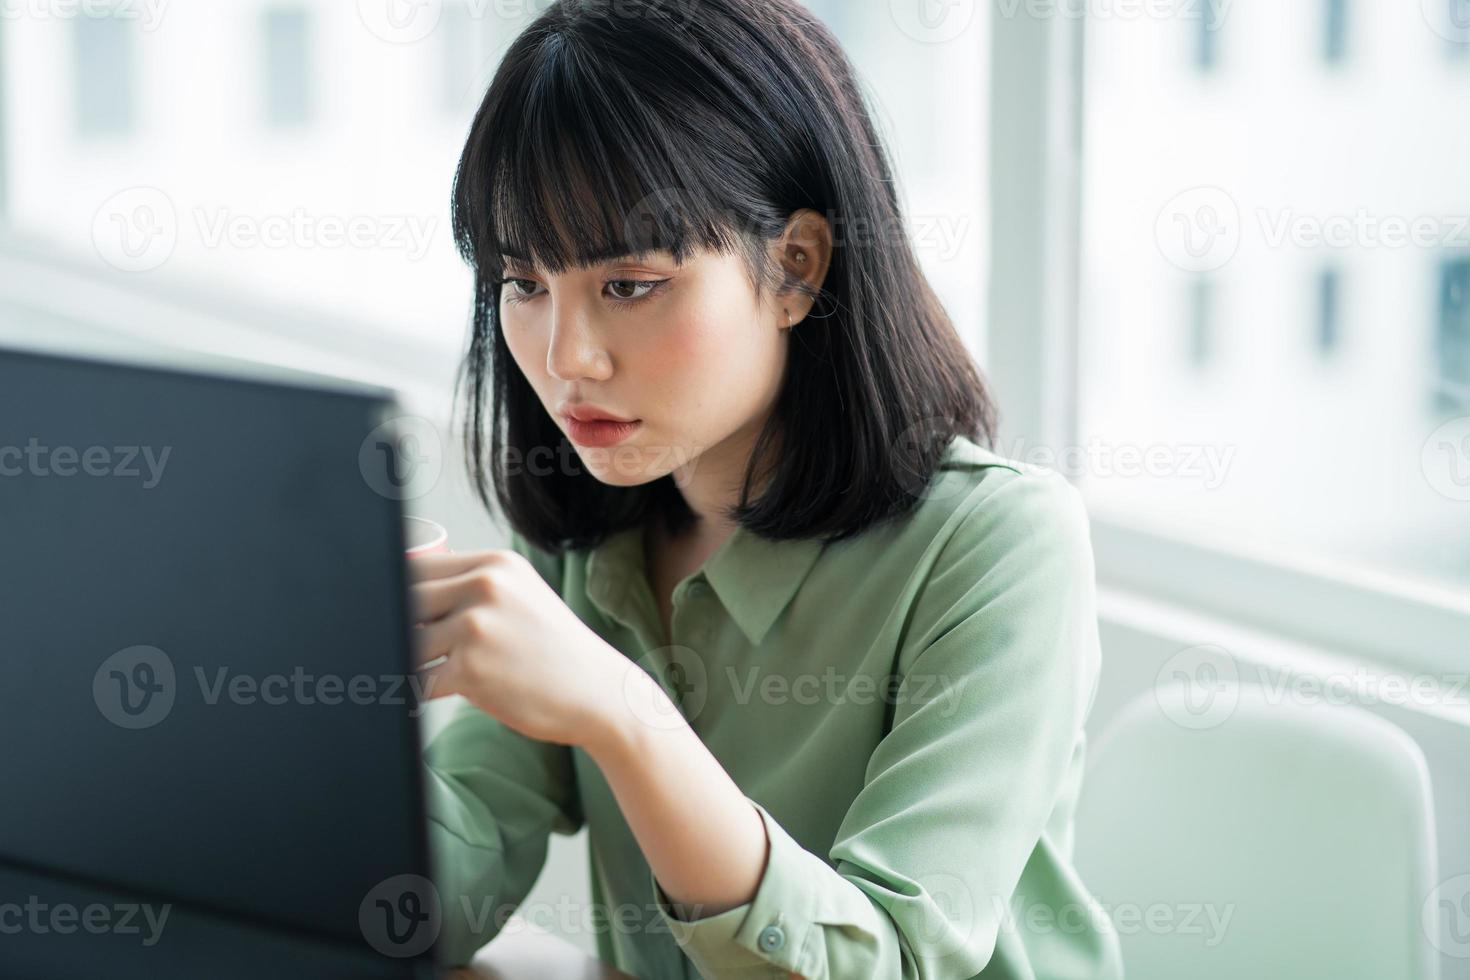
(754, 578)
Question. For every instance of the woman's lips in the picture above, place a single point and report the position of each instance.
(601, 433)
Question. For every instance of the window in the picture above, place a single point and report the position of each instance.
(1250, 196)
(1201, 322)
(466, 66)
(456, 40)
(1453, 340)
(104, 75)
(1329, 310)
(1336, 34)
(1209, 19)
(338, 213)
(286, 66)
(339, 216)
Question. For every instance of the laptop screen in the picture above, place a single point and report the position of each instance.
(207, 696)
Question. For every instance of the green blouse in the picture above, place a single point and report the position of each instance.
(905, 709)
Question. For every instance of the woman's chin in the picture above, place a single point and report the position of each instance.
(625, 465)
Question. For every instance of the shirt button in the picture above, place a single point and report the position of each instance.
(698, 589)
(772, 938)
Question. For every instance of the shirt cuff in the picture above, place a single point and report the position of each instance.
(767, 935)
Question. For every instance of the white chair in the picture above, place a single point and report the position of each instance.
(1287, 840)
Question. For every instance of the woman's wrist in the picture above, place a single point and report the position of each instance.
(629, 706)
(661, 773)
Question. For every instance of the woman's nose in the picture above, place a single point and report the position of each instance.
(576, 350)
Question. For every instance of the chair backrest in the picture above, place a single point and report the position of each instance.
(1280, 839)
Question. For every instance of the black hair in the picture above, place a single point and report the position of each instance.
(619, 129)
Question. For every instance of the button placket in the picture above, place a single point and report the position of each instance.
(696, 589)
(772, 937)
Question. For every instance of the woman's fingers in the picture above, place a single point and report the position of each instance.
(454, 613)
(438, 639)
(439, 656)
(440, 678)
(428, 567)
(433, 599)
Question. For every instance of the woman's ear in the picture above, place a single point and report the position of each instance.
(803, 252)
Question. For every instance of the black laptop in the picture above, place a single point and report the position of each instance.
(210, 762)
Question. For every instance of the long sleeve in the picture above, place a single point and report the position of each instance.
(494, 797)
(999, 668)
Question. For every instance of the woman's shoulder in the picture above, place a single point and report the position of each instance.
(999, 539)
(981, 493)
(977, 509)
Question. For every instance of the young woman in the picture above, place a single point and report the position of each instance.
(808, 660)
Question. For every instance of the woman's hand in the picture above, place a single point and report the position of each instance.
(514, 649)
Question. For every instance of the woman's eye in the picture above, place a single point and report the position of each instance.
(624, 291)
(627, 289)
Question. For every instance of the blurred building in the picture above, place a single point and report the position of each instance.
(1277, 269)
(300, 152)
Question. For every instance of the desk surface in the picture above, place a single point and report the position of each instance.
(527, 954)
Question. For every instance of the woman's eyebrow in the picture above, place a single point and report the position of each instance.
(604, 256)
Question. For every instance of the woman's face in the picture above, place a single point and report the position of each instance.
(692, 353)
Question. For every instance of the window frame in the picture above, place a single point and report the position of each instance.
(1394, 621)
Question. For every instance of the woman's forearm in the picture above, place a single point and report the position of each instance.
(701, 837)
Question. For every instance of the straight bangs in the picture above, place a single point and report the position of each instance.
(583, 172)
